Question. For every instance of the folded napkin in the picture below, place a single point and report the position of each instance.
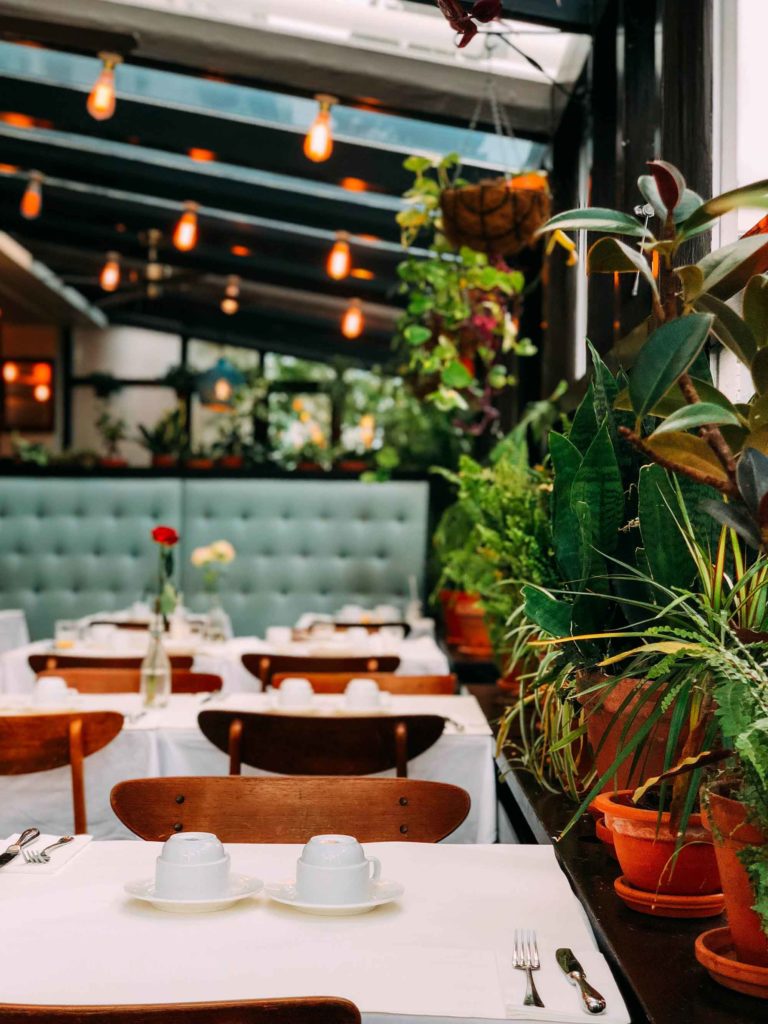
(63, 855)
(562, 1000)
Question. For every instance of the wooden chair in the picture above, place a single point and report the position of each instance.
(369, 627)
(291, 810)
(265, 666)
(311, 1010)
(336, 682)
(48, 662)
(318, 745)
(127, 680)
(37, 743)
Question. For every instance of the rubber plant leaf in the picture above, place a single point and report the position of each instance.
(754, 196)
(666, 355)
(688, 450)
(756, 308)
(612, 222)
(728, 327)
(674, 400)
(726, 271)
(689, 417)
(752, 479)
(612, 256)
(669, 182)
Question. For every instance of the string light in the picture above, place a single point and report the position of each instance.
(185, 232)
(32, 200)
(353, 321)
(230, 304)
(318, 143)
(101, 99)
(11, 373)
(41, 393)
(339, 260)
(109, 278)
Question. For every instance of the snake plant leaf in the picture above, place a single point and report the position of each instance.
(729, 328)
(566, 461)
(674, 400)
(598, 484)
(756, 308)
(547, 612)
(612, 256)
(734, 515)
(688, 450)
(596, 218)
(759, 370)
(754, 196)
(666, 355)
(584, 423)
(669, 559)
(727, 270)
(692, 416)
(669, 182)
(689, 202)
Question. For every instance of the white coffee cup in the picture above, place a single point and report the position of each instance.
(295, 692)
(362, 695)
(333, 870)
(102, 634)
(192, 866)
(278, 635)
(51, 688)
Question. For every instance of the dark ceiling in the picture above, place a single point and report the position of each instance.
(266, 213)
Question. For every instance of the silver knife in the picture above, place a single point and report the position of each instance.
(573, 970)
(27, 836)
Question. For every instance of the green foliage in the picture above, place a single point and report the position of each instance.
(169, 434)
(112, 430)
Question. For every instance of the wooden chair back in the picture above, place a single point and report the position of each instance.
(291, 810)
(369, 627)
(311, 1010)
(319, 745)
(118, 624)
(49, 662)
(265, 666)
(336, 682)
(127, 680)
(38, 743)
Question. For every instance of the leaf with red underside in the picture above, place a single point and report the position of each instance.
(486, 10)
(469, 32)
(669, 182)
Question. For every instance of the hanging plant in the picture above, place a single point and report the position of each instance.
(496, 215)
(464, 21)
(460, 328)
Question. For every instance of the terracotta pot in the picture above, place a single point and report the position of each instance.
(352, 465)
(496, 215)
(464, 620)
(108, 463)
(731, 832)
(604, 731)
(164, 461)
(645, 844)
(308, 466)
(231, 461)
(199, 463)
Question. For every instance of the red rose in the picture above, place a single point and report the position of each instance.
(165, 535)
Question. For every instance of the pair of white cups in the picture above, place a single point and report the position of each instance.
(332, 869)
(359, 695)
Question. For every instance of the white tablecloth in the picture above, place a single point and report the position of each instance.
(442, 951)
(418, 656)
(169, 742)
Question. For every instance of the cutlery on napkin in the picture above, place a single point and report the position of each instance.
(59, 857)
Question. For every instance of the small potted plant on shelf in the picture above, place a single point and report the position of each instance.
(200, 458)
(167, 439)
(112, 430)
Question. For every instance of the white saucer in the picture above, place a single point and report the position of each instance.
(240, 888)
(381, 893)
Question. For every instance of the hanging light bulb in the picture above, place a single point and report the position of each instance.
(101, 99)
(185, 232)
(318, 143)
(32, 200)
(109, 278)
(230, 304)
(353, 321)
(339, 260)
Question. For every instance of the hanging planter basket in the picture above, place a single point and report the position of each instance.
(499, 216)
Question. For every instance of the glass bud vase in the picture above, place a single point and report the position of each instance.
(155, 669)
(217, 624)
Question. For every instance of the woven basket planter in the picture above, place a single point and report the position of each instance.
(497, 215)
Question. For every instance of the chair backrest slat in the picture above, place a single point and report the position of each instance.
(49, 662)
(292, 809)
(320, 745)
(127, 680)
(265, 666)
(336, 682)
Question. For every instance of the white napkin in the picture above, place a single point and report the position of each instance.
(63, 855)
(562, 1000)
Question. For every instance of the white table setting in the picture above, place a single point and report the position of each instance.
(167, 741)
(409, 931)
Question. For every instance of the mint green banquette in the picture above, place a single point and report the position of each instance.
(73, 546)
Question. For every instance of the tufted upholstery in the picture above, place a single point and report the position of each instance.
(72, 546)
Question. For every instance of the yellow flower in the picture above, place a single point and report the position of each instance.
(559, 237)
(201, 556)
(223, 551)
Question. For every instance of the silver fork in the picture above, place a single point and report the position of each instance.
(525, 957)
(42, 856)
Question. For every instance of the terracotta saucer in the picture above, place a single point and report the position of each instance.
(660, 905)
(715, 952)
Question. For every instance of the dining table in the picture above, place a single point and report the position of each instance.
(419, 655)
(167, 741)
(440, 952)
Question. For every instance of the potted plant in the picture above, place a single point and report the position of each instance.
(32, 452)
(167, 439)
(199, 458)
(459, 333)
(112, 430)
